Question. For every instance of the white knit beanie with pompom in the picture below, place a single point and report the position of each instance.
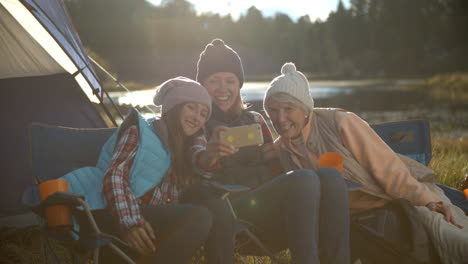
(293, 83)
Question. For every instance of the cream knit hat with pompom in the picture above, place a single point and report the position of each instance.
(293, 83)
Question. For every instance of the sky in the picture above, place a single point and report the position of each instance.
(316, 9)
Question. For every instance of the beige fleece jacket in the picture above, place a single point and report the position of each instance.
(384, 174)
(371, 152)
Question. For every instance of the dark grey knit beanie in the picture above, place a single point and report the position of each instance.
(219, 57)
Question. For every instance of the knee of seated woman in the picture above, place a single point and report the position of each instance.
(218, 208)
(201, 217)
(329, 173)
(330, 176)
(302, 173)
(304, 177)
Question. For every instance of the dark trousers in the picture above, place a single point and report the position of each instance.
(456, 197)
(180, 230)
(219, 246)
(303, 210)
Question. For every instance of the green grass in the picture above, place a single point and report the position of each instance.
(19, 245)
(23, 245)
(449, 159)
(449, 154)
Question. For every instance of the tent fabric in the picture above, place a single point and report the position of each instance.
(65, 46)
(45, 76)
(19, 52)
(54, 17)
(54, 100)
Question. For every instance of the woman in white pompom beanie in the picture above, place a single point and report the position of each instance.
(293, 83)
(306, 133)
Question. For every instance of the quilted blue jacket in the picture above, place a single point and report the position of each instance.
(151, 162)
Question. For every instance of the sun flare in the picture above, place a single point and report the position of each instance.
(315, 9)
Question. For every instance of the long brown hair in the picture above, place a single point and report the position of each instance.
(179, 145)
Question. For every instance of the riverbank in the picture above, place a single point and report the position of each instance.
(451, 88)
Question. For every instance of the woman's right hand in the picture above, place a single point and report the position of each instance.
(142, 238)
(443, 209)
(217, 148)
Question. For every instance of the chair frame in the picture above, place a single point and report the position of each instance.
(75, 201)
(96, 238)
(229, 189)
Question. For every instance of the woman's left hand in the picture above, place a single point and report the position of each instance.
(442, 208)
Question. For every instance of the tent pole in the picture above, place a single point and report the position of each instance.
(109, 114)
(112, 102)
(101, 100)
(114, 79)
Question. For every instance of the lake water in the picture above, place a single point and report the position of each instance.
(374, 100)
(254, 91)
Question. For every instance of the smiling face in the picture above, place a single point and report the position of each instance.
(287, 118)
(224, 89)
(193, 117)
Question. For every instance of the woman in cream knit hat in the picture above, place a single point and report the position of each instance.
(307, 132)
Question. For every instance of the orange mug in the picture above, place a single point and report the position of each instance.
(58, 216)
(331, 159)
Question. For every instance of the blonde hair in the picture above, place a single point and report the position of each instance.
(238, 106)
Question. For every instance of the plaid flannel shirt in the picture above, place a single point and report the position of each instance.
(269, 153)
(120, 199)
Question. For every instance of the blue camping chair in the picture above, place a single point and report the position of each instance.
(380, 230)
(410, 138)
(54, 152)
(413, 139)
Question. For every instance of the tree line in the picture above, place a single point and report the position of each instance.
(149, 43)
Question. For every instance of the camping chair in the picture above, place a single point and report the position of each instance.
(381, 231)
(242, 227)
(410, 138)
(54, 152)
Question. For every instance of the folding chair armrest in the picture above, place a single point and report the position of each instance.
(64, 198)
(71, 200)
(229, 188)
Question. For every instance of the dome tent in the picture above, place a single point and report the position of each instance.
(45, 76)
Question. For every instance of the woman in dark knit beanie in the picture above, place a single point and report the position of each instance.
(286, 210)
(219, 62)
